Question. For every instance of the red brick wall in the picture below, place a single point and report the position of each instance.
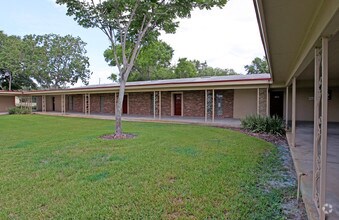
(95, 103)
(165, 103)
(140, 103)
(227, 103)
(77, 103)
(109, 105)
(194, 103)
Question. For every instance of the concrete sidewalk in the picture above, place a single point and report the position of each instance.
(225, 122)
(302, 156)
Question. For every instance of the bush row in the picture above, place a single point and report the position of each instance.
(19, 110)
(264, 124)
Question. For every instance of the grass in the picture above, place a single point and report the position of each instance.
(55, 167)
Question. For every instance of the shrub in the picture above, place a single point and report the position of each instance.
(264, 124)
(19, 110)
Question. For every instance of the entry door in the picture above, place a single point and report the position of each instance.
(53, 103)
(124, 105)
(277, 104)
(177, 104)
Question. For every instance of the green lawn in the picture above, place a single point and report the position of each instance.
(55, 167)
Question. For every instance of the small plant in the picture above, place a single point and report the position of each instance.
(264, 124)
(19, 110)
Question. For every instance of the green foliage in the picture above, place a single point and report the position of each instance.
(152, 59)
(113, 77)
(19, 110)
(13, 58)
(63, 170)
(185, 69)
(51, 60)
(264, 124)
(205, 70)
(194, 68)
(57, 60)
(257, 66)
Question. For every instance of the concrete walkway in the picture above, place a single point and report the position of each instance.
(303, 160)
(225, 122)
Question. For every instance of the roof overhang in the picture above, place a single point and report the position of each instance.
(290, 30)
(243, 82)
(10, 93)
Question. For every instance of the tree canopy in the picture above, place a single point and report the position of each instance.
(12, 59)
(46, 61)
(153, 58)
(257, 66)
(57, 60)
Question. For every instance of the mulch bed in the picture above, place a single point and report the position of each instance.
(274, 139)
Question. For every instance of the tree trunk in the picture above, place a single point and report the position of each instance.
(118, 113)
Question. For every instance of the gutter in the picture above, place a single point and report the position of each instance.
(258, 7)
(161, 86)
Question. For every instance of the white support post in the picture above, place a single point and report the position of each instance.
(85, 104)
(213, 105)
(154, 105)
(316, 127)
(286, 108)
(294, 93)
(205, 105)
(159, 104)
(89, 104)
(30, 104)
(324, 112)
(63, 106)
(43, 103)
(115, 103)
(267, 102)
(258, 101)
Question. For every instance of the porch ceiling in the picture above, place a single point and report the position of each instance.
(333, 64)
(291, 29)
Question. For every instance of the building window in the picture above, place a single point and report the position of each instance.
(219, 101)
(102, 103)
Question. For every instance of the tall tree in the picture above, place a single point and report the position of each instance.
(257, 66)
(50, 60)
(152, 58)
(131, 24)
(185, 69)
(12, 59)
(56, 60)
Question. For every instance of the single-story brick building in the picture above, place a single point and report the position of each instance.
(208, 97)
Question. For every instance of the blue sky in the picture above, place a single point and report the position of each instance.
(225, 38)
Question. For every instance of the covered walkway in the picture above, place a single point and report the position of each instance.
(226, 122)
(302, 155)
